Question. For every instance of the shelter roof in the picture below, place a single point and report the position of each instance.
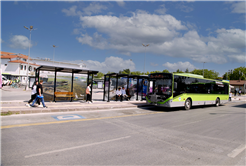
(125, 75)
(237, 82)
(66, 70)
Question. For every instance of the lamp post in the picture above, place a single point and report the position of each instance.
(145, 55)
(203, 69)
(27, 79)
(54, 53)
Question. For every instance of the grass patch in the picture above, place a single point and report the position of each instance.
(6, 113)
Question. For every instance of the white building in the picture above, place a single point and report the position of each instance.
(14, 66)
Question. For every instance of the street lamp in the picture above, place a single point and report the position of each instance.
(27, 79)
(54, 53)
(145, 55)
(203, 69)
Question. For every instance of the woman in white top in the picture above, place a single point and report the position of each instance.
(33, 93)
(88, 94)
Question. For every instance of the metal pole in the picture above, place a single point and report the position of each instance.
(71, 99)
(55, 87)
(27, 81)
(108, 86)
(104, 88)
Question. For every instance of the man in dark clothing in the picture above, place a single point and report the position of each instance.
(39, 94)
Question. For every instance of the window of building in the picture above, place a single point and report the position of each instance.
(6, 64)
(21, 67)
(34, 68)
(25, 67)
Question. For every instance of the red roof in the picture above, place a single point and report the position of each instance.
(20, 61)
(9, 55)
(237, 82)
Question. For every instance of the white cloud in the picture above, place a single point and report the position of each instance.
(112, 64)
(166, 35)
(162, 10)
(184, 8)
(93, 8)
(238, 7)
(121, 3)
(1, 41)
(238, 58)
(76, 31)
(180, 65)
(19, 41)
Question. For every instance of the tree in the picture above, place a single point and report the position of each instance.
(179, 71)
(155, 72)
(236, 74)
(207, 73)
(99, 75)
(136, 73)
(165, 71)
(187, 70)
(125, 71)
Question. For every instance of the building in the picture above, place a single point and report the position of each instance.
(14, 66)
(238, 85)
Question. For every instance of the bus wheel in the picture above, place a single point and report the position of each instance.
(187, 104)
(217, 102)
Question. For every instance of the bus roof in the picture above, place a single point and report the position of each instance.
(199, 76)
(189, 75)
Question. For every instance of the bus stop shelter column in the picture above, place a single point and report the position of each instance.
(104, 88)
(72, 86)
(108, 87)
(54, 97)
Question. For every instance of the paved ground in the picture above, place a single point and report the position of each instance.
(13, 101)
(204, 135)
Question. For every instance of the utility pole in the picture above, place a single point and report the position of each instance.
(27, 79)
(145, 55)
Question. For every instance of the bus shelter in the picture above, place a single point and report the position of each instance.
(62, 83)
(135, 85)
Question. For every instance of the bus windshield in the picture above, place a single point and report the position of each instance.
(160, 85)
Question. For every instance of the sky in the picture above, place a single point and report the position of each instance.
(109, 35)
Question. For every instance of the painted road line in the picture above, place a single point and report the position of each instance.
(68, 117)
(237, 151)
(77, 147)
(76, 120)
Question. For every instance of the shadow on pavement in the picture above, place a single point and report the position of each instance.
(166, 109)
(241, 105)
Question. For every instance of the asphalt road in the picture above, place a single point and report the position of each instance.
(147, 136)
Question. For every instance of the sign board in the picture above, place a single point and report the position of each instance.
(99, 85)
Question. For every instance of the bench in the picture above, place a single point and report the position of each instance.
(64, 94)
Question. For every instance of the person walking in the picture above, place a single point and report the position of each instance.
(39, 94)
(34, 94)
(88, 94)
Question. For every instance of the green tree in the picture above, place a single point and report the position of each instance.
(165, 71)
(99, 75)
(136, 73)
(125, 71)
(236, 74)
(155, 72)
(179, 71)
(207, 73)
(187, 70)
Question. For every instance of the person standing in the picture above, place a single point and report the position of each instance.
(39, 94)
(34, 94)
(230, 95)
(88, 94)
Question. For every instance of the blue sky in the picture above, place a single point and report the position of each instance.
(108, 36)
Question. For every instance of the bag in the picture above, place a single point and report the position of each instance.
(87, 91)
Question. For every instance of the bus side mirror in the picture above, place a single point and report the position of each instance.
(175, 85)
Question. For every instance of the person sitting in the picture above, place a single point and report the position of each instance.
(124, 96)
(119, 94)
(128, 94)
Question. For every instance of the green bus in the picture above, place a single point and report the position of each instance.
(185, 89)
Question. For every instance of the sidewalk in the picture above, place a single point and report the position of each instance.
(18, 107)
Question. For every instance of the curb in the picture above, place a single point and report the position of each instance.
(47, 110)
